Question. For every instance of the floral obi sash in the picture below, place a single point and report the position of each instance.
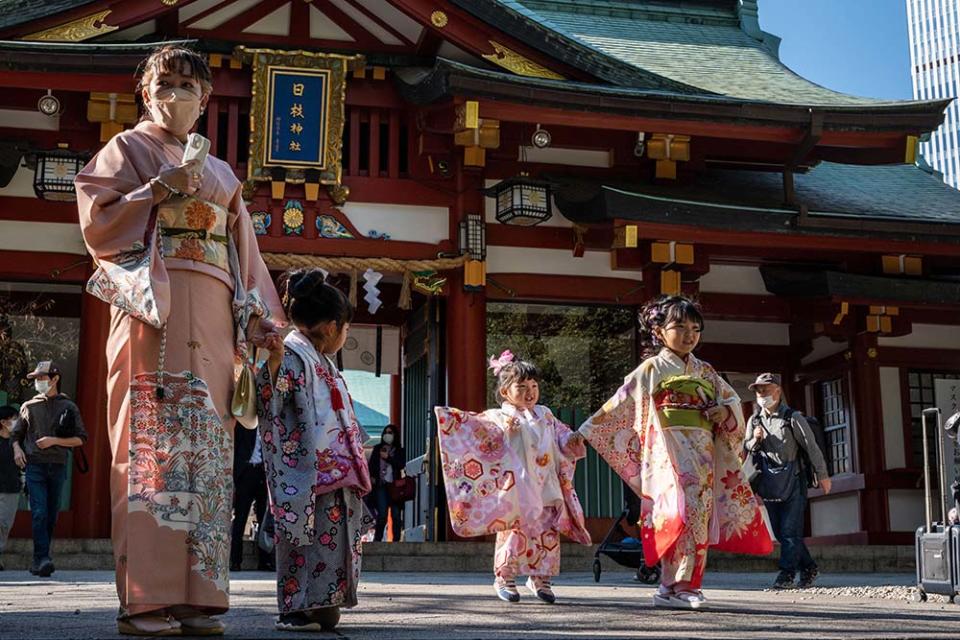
(194, 229)
(681, 401)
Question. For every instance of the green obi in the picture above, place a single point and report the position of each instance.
(681, 401)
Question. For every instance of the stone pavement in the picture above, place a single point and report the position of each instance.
(82, 604)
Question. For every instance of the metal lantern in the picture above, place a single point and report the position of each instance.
(522, 201)
(55, 172)
(473, 237)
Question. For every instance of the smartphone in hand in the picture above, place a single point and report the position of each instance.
(197, 148)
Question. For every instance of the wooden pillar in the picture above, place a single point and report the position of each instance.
(868, 434)
(396, 399)
(466, 317)
(91, 491)
(466, 346)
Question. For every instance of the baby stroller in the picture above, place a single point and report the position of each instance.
(623, 549)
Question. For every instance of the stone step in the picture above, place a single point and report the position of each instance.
(477, 557)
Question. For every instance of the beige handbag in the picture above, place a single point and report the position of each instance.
(243, 406)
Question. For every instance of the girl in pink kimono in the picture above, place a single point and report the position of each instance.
(674, 432)
(178, 261)
(510, 471)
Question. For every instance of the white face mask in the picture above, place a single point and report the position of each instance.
(388, 438)
(767, 402)
(176, 110)
(42, 386)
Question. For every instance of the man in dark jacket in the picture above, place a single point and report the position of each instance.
(44, 454)
(780, 432)
(249, 488)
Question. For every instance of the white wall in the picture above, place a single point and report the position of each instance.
(833, 516)
(402, 222)
(727, 278)
(926, 336)
(54, 237)
(892, 417)
(906, 509)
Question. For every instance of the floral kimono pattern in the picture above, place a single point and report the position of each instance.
(316, 476)
(511, 473)
(169, 421)
(654, 434)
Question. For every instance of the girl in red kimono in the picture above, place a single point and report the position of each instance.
(674, 432)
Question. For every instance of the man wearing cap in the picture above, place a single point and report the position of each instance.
(778, 431)
(36, 445)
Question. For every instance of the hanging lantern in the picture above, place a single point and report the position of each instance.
(522, 201)
(473, 237)
(55, 172)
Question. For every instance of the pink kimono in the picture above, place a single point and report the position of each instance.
(654, 434)
(171, 432)
(510, 472)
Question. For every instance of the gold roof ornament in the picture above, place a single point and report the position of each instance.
(513, 61)
(77, 30)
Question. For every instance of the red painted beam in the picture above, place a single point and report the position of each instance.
(563, 288)
(43, 266)
(400, 191)
(738, 306)
(730, 240)
(360, 248)
(36, 210)
(116, 83)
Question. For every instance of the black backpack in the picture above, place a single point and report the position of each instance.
(819, 435)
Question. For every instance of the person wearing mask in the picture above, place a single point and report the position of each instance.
(249, 489)
(189, 291)
(44, 455)
(386, 462)
(779, 432)
(10, 485)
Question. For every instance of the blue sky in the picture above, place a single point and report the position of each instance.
(854, 46)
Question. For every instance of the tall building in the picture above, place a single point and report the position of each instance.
(934, 28)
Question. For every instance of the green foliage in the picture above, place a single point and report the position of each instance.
(582, 352)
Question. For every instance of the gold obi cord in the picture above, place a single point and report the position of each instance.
(194, 229)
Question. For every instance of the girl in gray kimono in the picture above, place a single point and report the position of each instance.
(313, 455)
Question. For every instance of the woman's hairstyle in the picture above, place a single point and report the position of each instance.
(393, 429)
(662, 312)
(173, 58)
(309, 300)
(7, 412)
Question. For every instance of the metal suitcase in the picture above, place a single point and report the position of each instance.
(937, 545)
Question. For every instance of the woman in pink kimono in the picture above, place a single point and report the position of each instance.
(674, 432)
(179, 263)
(510, 471)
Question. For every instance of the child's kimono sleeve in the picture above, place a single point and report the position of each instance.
(613, 430)
(572, 451)
(480, 473)
(283, 408)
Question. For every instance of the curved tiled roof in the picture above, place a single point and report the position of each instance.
(693, 47)
(15, 12)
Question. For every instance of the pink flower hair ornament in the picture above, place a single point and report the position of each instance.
(497, 364)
